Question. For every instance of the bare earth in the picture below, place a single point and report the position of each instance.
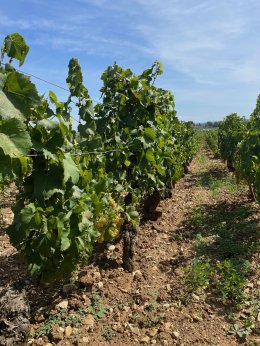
(107, 306)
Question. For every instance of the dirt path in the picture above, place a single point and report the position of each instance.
(154, 305)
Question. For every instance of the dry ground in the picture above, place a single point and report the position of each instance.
(153, 306)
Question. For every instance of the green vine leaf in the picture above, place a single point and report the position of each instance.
(70, 170)
(14, 139)
(15, 47)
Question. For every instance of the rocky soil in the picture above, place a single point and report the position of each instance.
(103, 305)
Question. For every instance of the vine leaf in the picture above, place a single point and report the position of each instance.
(14, 139)
(15, 47)
(70, 170)
(21, 92)
(150, 155)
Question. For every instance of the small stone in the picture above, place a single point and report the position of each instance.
(134, 330)
(258, 283)
(195, 297)
(117, 316)
(97, 276)
(40, 318)
(87, 301)
(255, 340)
(197, 318)
(68, 331)
(62, 305)
(137, 273)
(243, 316)
(176, 335)
(178, 272)
(166, 305)
(56, 333)
(111, 247)
(100, 285)
(115, 326)
(48, 344)
(250, 284)
(69, 288)
(165, 343)
(134, 306)
(152, 332)
(153, 342)
(168, 287)
(167, 326)
(126, 308)
(85, 339)
(89, 322)
(145, 339)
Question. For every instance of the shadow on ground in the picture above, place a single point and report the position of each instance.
(225, 230)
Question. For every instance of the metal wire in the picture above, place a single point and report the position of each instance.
(29, 98)
(98, 152)
(43, 80)
(102, 152)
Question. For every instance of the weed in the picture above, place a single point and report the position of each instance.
(178, 304)
(198, 275)
(211, 342)
(216, 181)
(227, 277)
(197, 217)
(202, 160)
(62, 319)
(254, 303)
(229, 247)
(241, 331)
(230, 282)
(107, 332)
(151, 315)
(97, 308)
(151, 320)
(201, 243)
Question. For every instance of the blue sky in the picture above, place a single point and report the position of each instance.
(210, 50)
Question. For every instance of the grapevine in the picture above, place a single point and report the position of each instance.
(69, 198)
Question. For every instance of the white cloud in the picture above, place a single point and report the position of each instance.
(207, 45)
(199, 39)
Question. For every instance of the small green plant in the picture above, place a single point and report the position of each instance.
(254, 303)
(151, 320)
(241, 331)
(198, 275)
(218, 182)
(202, 160)
(228, 247)
(230, 282)
(197, 217)
(46, 327)
(107, 332)
(227, 277)
(211, 139)
(151, 316)
(203, 243)
(61, 319)
(228, 184)
(97, 307)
